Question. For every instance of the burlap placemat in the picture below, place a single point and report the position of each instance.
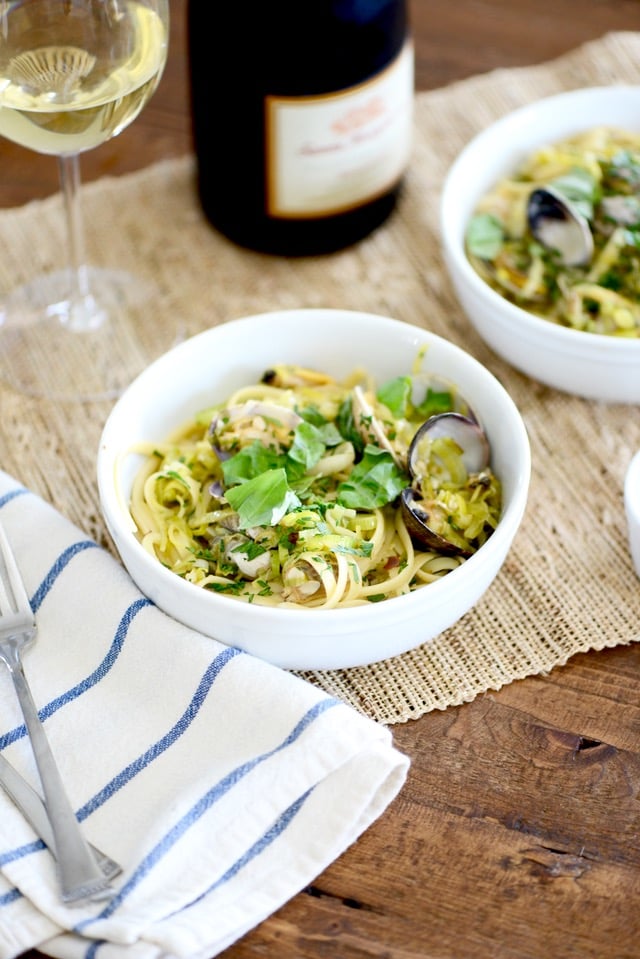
(567, 585)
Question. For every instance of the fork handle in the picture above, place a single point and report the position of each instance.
(80, 875)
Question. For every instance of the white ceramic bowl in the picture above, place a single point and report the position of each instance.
(206, 369)
(587, 364)
(632, 509)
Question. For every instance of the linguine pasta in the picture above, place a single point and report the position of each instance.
(287, 494)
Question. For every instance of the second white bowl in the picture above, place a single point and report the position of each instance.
(587, 364)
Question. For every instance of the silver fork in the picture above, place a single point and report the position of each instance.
(35, 812)
(79, 874)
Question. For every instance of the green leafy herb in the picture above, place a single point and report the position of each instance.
(435, 401)
(625, 167)
(236, 588)
(250, 549)
(328, 432)
(580, 187)
(348, 549)
(347, 425)
(312, 415)
(374, 481)
(396, 396)
(485, 236)
(250, 462)
(632, 238)
(308, 446)
(263, 500)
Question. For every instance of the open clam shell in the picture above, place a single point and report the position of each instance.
(464, 430)
(417, 514)
(559, 225)
(417, 518)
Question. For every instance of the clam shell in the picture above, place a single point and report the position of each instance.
(417, 522)
(466, 432)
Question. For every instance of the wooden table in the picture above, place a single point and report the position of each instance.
(517, 835)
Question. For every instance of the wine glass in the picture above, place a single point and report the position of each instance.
(73, 74)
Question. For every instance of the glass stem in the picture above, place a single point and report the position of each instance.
(82, 312)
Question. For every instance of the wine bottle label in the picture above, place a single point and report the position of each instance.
(331, 153)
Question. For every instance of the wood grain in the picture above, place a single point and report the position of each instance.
(517, 835)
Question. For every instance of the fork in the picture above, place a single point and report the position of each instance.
(28, 801)
(79, 874)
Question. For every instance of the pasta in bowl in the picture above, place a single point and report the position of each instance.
(261, 511)
(570, 325)
(290, 493)
(561, 236)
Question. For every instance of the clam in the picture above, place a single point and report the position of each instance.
(373, 430)
(253, 420)
(251, 568)
(417, 515)
(425, 518)
(252, 408)
(559, 225)
(465, 431)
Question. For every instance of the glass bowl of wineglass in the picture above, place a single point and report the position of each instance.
(74, 74)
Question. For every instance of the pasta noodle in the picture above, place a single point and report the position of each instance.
(288, 493)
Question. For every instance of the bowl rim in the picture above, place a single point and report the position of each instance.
(452, 229)
(115, 511)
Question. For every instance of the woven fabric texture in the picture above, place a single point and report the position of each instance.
(567, 585)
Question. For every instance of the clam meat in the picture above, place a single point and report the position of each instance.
(452, 449)
(239, 425)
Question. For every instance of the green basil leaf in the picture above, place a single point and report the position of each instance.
(374, 481)
(250, 549)
(308, 446)
(579, 187)
(435, 401)
(252, 461)
(396, 396)
(263, 500)
(312, 415)
(347, 425)
(485, 236)
(327, 431)
(330, 434)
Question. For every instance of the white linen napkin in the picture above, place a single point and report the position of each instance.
(222, 785)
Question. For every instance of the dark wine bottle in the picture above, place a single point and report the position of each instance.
(302, 118)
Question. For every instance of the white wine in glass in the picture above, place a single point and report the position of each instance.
(74, 74)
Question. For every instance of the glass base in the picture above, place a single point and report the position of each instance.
(90, 348)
